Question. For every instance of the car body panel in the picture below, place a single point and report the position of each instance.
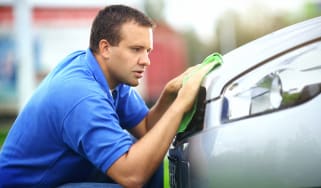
(280, 148)
(269, 155)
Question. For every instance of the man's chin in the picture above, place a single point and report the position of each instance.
(133, 84)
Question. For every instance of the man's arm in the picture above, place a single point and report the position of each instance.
(135, 167)
(166, 98)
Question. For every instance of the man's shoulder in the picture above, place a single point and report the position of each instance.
(70, 85)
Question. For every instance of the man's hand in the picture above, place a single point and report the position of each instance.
(172, 89)
(188, 91)
(175, 84)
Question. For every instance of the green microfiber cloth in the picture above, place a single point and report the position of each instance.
(215, 58)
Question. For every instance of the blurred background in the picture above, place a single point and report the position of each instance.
(36, 34)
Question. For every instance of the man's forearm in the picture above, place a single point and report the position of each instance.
(162, 104)
(145, 156)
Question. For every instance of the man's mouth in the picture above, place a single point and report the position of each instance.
(139, 74)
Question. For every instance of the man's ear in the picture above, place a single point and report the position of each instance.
(104, 48)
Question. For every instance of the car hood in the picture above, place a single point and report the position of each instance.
(258, 52)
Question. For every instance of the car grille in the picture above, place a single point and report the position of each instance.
(178, 171)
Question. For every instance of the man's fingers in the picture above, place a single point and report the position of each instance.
(205, 69)
(192, 82)
(197, 73)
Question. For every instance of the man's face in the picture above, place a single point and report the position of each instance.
(128, 61)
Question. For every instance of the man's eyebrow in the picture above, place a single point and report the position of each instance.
(140, 46)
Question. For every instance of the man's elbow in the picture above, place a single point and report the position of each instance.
(133, 181)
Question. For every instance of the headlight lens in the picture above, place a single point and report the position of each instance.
(282, 83)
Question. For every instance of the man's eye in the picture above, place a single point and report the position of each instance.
(136, 49)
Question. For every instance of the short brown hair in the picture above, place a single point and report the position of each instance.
(109, 20)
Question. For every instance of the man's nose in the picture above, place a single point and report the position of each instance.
(144, 59)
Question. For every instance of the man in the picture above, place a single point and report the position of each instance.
(80, 116)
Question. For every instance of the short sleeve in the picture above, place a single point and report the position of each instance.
(131, 108)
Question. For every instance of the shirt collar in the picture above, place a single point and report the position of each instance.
(96, 70)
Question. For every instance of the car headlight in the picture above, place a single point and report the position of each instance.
(285, 82)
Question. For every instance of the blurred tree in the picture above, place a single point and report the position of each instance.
(234, 29)
(258, 21)
(155, 9)
(311, 9)
(227, 31)
(196, 50)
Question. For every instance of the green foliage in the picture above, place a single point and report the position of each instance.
(5, 125)
(312, 9)
(197, 49)
(3, 135)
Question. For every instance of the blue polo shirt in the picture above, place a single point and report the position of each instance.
(71, 126)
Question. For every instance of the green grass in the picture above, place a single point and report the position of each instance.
(3, 134)
(4, 129)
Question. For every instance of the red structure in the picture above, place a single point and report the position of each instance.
(168, 59)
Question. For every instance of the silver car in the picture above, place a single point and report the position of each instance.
(258, 119)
